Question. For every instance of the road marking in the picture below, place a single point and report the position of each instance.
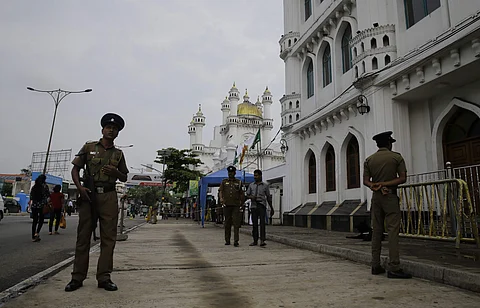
(18, 289)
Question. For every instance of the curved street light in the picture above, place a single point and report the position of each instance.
(58, 96)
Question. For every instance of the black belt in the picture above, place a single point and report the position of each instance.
(101, 189)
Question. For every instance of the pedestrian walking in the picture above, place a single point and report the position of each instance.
(69, 207)
(231, 198)
(104, 164)
(383, 172)
(39, 198)
(57, 200)
(259, 194)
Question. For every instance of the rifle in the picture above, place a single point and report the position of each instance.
(89, 183)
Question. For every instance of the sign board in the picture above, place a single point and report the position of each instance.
(193, 188)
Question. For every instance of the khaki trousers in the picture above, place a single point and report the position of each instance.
(385, 211)
(107, 211)
(232, 216)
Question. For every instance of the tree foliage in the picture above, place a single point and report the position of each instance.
(178, 167)
(147, 195)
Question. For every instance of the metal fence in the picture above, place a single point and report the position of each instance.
(441, 209)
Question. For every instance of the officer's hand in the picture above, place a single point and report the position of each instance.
(84, 193)
(272, 212)
(222, 201)
(376, 186)
(110, 170)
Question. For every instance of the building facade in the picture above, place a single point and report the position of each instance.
(240, 121)
(356, 68)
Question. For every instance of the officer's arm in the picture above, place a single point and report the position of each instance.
(220, 193)
(367, 182)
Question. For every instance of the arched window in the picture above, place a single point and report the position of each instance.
(289, 43)
(346, 50)
(327, 66)
(310, 82)
(297, 117)
(355, 52)
(374, 63)
(387, 60)
(386, 41)
(356, 71)
(308, 8)
(297, 104)
(312, 174)
(363, 67)
(353, 164)
(290, 105)
(330, 169)
(373, 43)
(290, 119)
(362, 47)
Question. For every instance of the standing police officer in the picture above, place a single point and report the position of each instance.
(232, 197)
(104, 165)
(383, 172)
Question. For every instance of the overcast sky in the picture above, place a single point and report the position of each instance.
(152, 62)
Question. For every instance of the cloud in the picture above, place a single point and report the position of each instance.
(152, 62)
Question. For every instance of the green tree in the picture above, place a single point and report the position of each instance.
(179, 165)
(146, 194)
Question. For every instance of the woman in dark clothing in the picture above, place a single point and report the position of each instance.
(57, 200)
(39, 197)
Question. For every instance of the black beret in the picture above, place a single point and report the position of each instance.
(384, 136)
(112, 118)
(231, 168)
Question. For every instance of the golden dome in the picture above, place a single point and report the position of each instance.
(247, 108)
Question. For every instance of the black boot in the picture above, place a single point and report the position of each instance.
(73, 285)
(398, 274)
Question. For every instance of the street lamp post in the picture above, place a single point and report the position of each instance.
(58, 96)
(164, 154)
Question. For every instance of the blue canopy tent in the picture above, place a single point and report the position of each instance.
(214, 180)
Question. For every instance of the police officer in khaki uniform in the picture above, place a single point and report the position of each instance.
(105, 164)
(231, 197)
(383, 172)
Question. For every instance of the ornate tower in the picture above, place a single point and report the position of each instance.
(267, 114)
(192, 131)
(225, 110)
(232, 119)
(198, 124)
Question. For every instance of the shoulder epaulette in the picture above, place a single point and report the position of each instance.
(91, 141)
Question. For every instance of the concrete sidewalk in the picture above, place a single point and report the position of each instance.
(179, 264)
(432, 260)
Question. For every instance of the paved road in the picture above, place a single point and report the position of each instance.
(20, 258)
(179, 264)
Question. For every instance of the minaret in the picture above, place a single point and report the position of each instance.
(199, 123)
(192, 132)
(233, 97)
(225, 110)
(267, 114)
(232, 120)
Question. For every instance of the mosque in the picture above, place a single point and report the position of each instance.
(240, 121)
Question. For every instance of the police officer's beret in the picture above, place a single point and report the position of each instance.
(112, 118)
(231, 168)
(384, 136)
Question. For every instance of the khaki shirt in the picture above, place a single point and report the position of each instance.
(231, 192)
(384, 165)
(92, 153)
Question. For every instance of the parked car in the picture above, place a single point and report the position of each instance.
(12, 206)
(2, 208)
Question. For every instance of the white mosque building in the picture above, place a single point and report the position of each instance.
(240, 121)
(356, 68)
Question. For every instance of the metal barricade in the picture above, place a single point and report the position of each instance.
(440, 209)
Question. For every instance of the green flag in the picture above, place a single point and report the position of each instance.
(256, 140)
